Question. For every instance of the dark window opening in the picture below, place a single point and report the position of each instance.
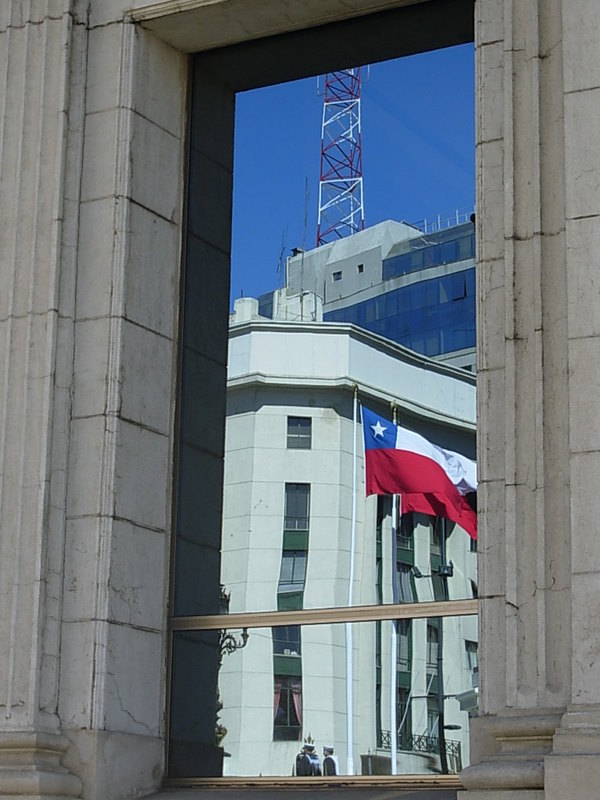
(297, 498)
(287, 640)
(404, 627)
(406, 587)
(293, 571)
(299, 436)
(471, 651)
(432, 649)
(287, 709)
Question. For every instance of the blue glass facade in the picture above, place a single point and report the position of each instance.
(265, 305)
(432, 251)
(432, 317)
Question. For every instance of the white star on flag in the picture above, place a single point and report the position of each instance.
(378, 429)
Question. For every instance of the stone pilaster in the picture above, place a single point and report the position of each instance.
(524, 422)
(538, 206)
(574, 765)
(41, 47)
(92, 120)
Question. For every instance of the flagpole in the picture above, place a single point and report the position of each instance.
(348, 626)
(394, 648)
(394, 636)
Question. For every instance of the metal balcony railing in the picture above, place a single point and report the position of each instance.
(421, 743)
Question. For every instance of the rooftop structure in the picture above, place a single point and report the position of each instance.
(341, 209)
(414, 288)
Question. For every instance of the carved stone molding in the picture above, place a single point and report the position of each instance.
(31, 766)
(523, 740)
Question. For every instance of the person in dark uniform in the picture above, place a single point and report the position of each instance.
(330, 762)
(307, 761)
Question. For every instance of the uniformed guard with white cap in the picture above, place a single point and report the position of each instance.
(330, 762)
(307, 761)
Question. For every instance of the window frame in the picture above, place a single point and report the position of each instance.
(287, 683)
(297, 568)
(299, 440)
(299, 518)
(229, 64)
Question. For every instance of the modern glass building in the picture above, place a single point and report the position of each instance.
(414, 288)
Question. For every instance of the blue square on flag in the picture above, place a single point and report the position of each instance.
(379, 432)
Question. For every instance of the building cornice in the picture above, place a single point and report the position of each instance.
(397, 351)
(367, 392)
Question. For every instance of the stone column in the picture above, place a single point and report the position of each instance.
(92, 115)
(39, 45)
(537, 197)
(124, 373)
(573, 768)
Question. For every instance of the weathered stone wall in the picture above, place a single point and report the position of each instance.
(91, 202)
(537, 202)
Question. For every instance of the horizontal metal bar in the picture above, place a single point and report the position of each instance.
(321, 616)
(325, 783)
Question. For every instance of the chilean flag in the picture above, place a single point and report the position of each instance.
(430, 479)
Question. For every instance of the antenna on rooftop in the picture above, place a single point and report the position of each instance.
(341, 209)
(280, 261)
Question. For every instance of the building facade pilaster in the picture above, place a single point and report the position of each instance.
(42, 47)
(539, 448)
(92, 117)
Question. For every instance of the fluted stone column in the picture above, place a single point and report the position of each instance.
(39, 44)
(538, 202)
(92, 115)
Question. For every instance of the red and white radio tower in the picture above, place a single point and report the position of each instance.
(341, 210)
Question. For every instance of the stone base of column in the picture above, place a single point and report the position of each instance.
(31, 767)
(511, 765)
(114, 764)
(573, 767)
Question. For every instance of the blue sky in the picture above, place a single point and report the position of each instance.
(418, 157)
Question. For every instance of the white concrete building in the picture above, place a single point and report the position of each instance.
(287, 538)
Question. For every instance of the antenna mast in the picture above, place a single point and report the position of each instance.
(341, 210)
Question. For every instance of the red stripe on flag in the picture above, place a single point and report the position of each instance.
(423, 484)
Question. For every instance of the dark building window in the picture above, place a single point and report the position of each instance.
(405, 531)
(403, 718)
(287, 640)
(432, 717)
(406, 593)
(471, 650)
(297, 499)
(432, 649)
(299, 433)
(265, 305)
(293, 571)
(337, 276)
(404, 645)
(436, 533)
(360, 268)
(287, 708)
